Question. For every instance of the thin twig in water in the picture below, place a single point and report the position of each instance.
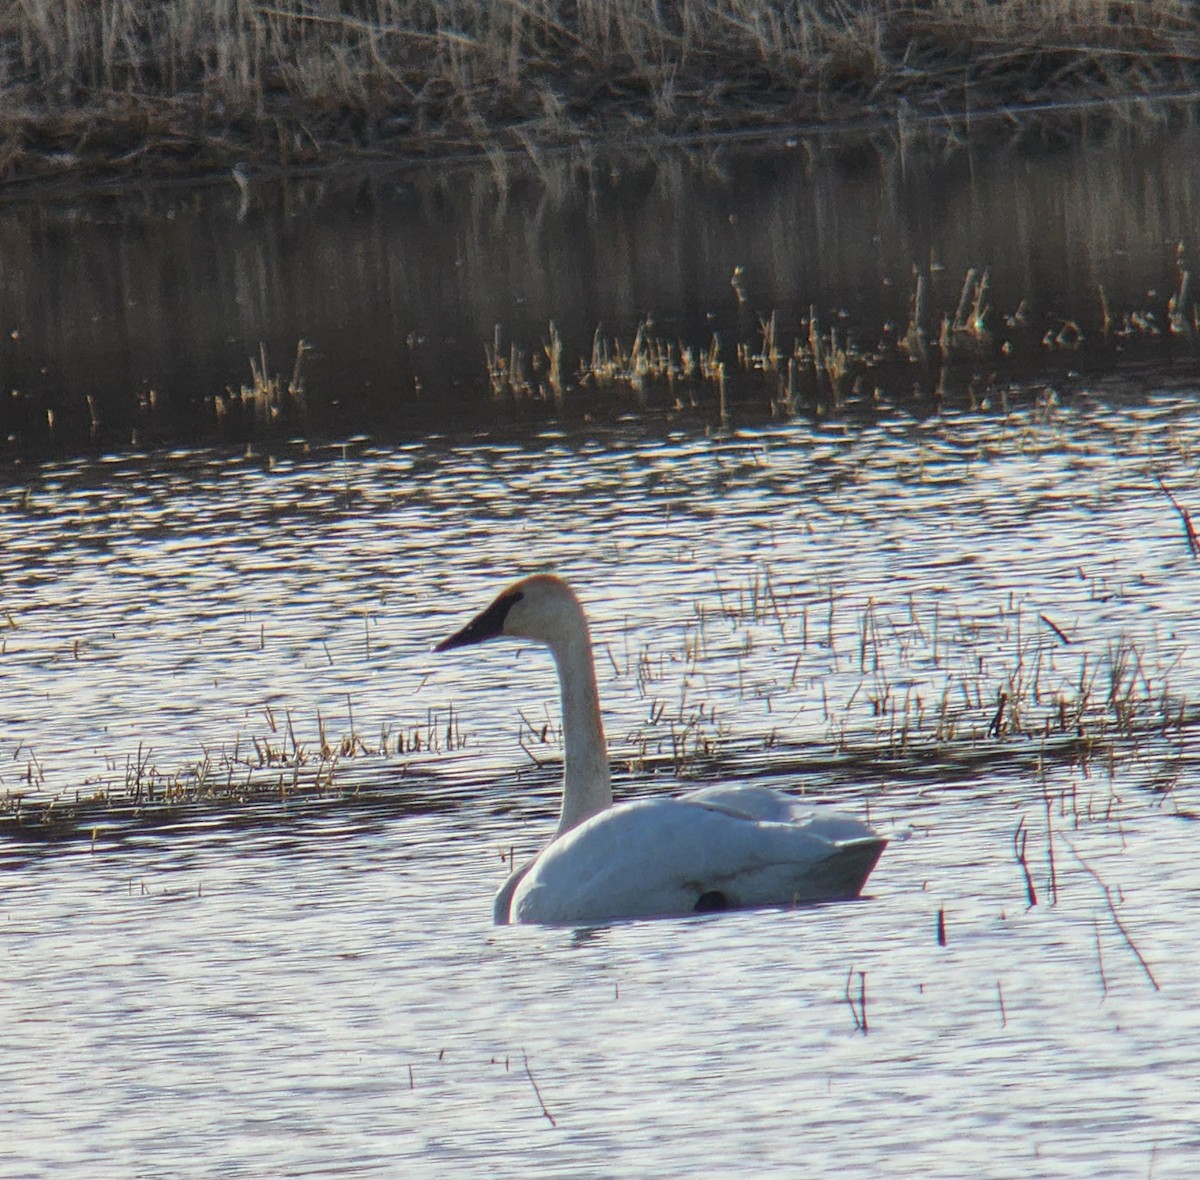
(1100, 962)
(533, 1083)
(529, 753)
(859, 1011)
(1055, 628)
(1020, 836)
(1049, 835)
(1192, 539)
(1091, 872)
(993, 730)
(539, 735)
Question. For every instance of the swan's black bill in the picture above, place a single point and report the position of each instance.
(483, 626)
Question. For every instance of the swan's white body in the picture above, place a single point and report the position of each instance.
(718, 848)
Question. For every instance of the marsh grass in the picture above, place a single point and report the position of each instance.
(196, 84)
(843, 683)
(268, 773)
(969, 353)
(270, 398)
(765, 680)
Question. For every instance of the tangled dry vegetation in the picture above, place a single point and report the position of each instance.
(909, 690)
(254, 775)
(200, 84)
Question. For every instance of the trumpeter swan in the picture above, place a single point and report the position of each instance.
(724, 847)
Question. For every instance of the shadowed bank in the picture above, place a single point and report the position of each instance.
(143, 88)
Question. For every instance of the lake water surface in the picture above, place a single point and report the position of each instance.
(253, 935)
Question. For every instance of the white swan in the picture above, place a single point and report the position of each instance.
(717, 848)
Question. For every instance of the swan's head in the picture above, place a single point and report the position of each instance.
(542, 608)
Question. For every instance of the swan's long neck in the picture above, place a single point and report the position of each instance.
(587, 787)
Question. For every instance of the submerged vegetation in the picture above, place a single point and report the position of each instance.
(261, 774)
(827, 687)
(192, 85)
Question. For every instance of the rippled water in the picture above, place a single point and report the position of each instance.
(317, 989)
(255, 1008)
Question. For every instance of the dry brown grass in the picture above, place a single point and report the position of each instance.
(207, 83)
(967, 353)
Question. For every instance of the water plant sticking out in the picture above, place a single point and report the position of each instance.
(268, 399)
(826, 369)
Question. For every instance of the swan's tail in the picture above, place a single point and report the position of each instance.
(846, 870)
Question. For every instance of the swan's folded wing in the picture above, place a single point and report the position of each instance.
(672, 856)
(762, 803)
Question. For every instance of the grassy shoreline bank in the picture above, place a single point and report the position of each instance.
(193, 86)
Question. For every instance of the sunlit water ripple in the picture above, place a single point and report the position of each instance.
(325, 994)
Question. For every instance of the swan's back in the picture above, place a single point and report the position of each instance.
(722, 848)
(763, 803)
